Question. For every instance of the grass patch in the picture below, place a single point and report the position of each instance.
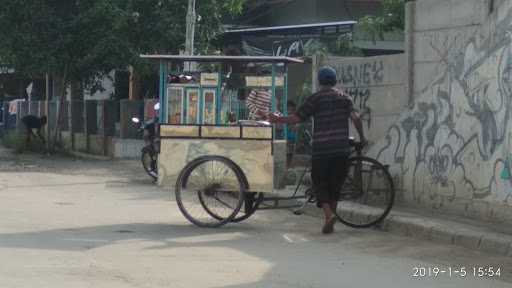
(16, 141)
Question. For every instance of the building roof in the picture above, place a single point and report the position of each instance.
(216, 58)
(295, 28)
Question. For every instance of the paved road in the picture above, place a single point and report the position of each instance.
(72, 223)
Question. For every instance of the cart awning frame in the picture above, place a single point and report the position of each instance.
(220, 59)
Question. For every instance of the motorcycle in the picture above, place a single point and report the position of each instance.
(149, 153)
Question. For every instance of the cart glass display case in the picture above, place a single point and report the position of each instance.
(203, 111)
(192, 110)
(209, 113)
(175, 105)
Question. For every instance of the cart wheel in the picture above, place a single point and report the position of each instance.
(367, 194)
(251, 204)
(208, 186)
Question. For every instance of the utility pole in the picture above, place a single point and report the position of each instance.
(47, 114)
(191, 25)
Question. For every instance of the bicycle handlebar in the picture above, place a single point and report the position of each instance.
(358, 145)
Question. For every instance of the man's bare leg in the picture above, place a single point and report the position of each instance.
(334, 206)
(327, 211)
(330, 218)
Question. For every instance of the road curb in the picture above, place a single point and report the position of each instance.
(89, 156)
(440, 230)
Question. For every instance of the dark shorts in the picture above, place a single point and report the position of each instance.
(328, 175)
(31, 122)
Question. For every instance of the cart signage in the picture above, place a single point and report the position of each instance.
(263, 81)
(209, 79)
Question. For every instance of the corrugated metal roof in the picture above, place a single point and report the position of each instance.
(290, 27)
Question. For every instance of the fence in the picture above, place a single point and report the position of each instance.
(100, 127)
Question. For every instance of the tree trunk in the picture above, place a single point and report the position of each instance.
(134, 86)
(62, 102)
(77, 92)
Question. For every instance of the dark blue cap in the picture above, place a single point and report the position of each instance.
(327, 76)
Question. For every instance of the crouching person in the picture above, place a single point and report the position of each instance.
(31, 123)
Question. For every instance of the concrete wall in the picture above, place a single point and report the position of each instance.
(127, 148)
(67, 141)
(80, 142)
(451, 151)
(377, 85)
(89, 126)
(102, 145)
(96, 144)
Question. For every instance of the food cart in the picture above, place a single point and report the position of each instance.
(222, 164)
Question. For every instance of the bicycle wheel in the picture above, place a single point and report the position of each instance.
(251, 203)
(207, 186)
(149, 162)
(367, 195)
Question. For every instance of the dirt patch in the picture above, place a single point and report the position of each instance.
(129, 170)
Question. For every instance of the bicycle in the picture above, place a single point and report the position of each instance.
(361, 174)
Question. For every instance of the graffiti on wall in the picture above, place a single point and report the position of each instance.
(357, 80)
(361, 74)
(455, 143)
(289, 48)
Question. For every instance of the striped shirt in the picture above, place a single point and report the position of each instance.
(331, 110)
(258, 100)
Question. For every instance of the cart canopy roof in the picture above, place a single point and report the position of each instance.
(219, 58)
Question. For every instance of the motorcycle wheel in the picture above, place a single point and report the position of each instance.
(149, 162)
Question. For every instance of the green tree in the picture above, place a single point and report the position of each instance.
(82, 41)
(159, 25)
(72, 40)
(391, 18)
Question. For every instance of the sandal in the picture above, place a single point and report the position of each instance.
(329, 226)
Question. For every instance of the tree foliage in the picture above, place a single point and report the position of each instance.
(74, 40)
(83, 40)
(391, 18)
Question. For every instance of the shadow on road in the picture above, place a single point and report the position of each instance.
(255, 240)
(84, 238)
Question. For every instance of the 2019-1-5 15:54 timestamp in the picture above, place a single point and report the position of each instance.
(462, 271)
